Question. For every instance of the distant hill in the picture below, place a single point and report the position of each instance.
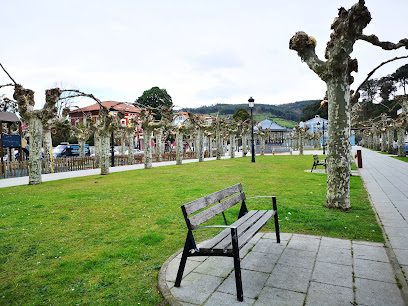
(289, 111)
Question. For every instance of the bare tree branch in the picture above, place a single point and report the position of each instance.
(1, 86)
(386, 45)
(357, 95)
(8, 74)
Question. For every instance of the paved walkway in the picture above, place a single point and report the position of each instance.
(311, 270)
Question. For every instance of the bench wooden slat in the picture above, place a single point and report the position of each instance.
(203, 202)
(209, 244)
(246, 231)
(215, 210)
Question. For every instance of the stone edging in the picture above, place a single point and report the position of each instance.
(162, 283)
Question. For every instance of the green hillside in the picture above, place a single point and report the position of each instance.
(289, 113)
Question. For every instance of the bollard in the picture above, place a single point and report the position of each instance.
(359, 160)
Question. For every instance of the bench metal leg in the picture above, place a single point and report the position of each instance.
(237, 264)
(275, 208)
(189, 244)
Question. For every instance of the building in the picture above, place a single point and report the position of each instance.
(182, 118)
(77, 116)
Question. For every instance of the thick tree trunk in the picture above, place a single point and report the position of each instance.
(104, 152)
(401, 143)
(218, 143)
(338, 151)
(81, 143)
(383, 142)
(35, 162)
(390, 136)
(97, 143)
(47, 145)
(200, 143)
(179, 148)
(232, 146)
(159, 145)
(147, 141)
(131, 142)
(210, 147)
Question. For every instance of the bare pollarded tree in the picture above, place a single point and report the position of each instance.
(336, 73)
(149, 125)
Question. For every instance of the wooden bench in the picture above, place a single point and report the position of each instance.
(233, 238)
(316, 163)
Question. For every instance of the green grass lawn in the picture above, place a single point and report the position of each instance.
(102, 239)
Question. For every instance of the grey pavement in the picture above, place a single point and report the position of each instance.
(312, 270)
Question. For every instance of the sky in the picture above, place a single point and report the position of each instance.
(201, 52)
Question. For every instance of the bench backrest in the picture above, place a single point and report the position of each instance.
(316, 158)
(225, 199)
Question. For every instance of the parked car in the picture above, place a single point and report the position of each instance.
(116, 152)
(69, 150)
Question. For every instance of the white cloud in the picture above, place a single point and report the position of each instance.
(201, 52)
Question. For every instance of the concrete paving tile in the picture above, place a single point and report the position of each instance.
(370, 292)
(297, 258)
(333, 274)
(335, 255)
(325, 294)
(396, 231)
(196, 288)
(395, 223)
(370, 243)
(335, 243)
(252, 283)
(402, 256)
(283, 236)
(290, 278)
(268, 246)
(398, 242)
(226, 299)
(194, 258)
(375, 270)
(279, 297)
(216, 266)
(307, 236)
(172, 268)
(369, 252)
(262, 262)
(303, 243)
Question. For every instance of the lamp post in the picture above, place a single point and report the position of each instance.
(251, 106)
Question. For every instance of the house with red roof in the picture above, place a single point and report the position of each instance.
(77, 116)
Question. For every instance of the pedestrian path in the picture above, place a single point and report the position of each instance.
(386, 180)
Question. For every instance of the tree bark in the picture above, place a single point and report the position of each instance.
(131, 142)
(81, 143)
(47, 145)
(232, 146)
(218, 143)
(179, 148)
(147, 141)
(98, 146)
(338, 150)
(200, 143)
(390, 136)
(159, 144)
(35, 161)
(104, 148)
(300, 143)
(401, 143)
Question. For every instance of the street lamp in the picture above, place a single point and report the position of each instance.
(251, 106)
